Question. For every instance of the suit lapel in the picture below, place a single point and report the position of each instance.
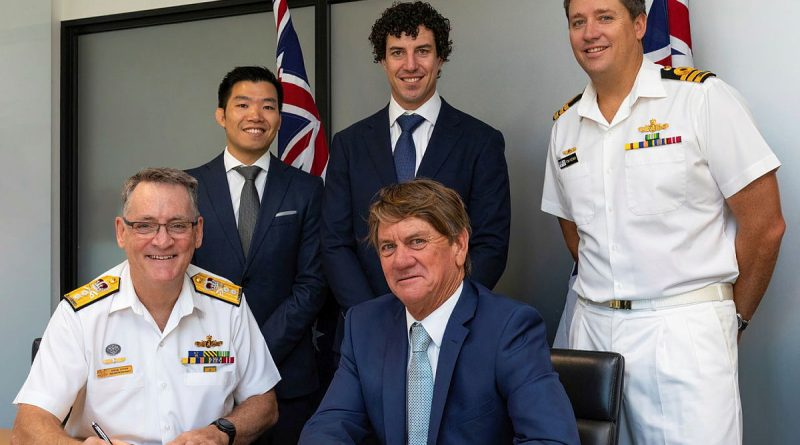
(453, 340)
(379, 146)
(274, 192)
(443, 140)
(394, 379)
(219, 196)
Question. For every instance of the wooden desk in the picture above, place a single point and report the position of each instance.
(5, 436)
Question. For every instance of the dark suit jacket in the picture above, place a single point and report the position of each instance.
(464, 154)
(494, 381)
(282, 275)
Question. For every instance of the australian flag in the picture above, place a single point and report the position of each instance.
(668, 40)
(301, 139)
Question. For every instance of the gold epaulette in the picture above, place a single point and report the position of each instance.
(686, 73)
(217, 288)
(92, 292)
(566, 106)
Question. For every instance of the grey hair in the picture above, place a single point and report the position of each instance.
(161, 175)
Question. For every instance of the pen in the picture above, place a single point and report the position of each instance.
(100, 433)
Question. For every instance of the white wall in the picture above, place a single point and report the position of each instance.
(752, 45)
(79, 9)
(749, 44)
(26, 218)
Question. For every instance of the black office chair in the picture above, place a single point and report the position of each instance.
(593, 381)
(35, 348)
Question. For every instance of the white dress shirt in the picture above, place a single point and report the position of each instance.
(435, 324)
(422, 134)
(236, 180)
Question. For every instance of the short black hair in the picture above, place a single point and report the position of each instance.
(406, 18)
(247, 74)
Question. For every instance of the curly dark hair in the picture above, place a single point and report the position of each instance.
(406, 18)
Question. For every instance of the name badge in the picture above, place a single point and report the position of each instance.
(566, 161)
(113, 372)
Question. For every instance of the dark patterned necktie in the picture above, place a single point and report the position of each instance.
(405, 154)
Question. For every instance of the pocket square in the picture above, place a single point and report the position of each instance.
(286, 213)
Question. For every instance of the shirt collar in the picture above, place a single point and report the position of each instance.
(436, 322)
(647, 84)
(429, 110)
(231, 162)
(127, 298)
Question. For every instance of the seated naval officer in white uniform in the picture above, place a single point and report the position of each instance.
(155, 351)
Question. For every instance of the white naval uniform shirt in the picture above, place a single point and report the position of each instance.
(653, 221)
(159, 397)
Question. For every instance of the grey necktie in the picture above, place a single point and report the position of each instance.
(248, 205)
(405, 154)
(420, 387)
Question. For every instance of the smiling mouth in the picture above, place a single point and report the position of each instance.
(160, 257)
(411, 79)
(596, 49)
(255, 131)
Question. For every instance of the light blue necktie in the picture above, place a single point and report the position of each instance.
(405, 154)
(420, 387)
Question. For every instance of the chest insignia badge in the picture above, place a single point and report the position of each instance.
(652, 137)
(653, 127)
(209, 342)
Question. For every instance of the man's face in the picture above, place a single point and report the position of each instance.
(422, 268)
(412, 67)
(251, 119)
(160, 259)
(604, 38)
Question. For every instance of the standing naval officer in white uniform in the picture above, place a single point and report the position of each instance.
(667, 198)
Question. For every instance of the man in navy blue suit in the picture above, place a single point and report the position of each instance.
(411, 42)
(440, 360)
(262, 232)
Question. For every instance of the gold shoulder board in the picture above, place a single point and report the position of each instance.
(217, 288)
(686, 73)
(92, 292)
(566, 106)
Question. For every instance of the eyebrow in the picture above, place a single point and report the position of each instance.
(248, 98)
(424, 45)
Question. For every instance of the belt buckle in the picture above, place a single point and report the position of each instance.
(620, 304)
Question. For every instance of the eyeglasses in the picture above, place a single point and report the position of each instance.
(177, 229)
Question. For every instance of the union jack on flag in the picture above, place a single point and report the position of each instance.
(668, 39)
(301, 139)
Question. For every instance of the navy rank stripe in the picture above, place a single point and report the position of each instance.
(566, 106)
(685, 73)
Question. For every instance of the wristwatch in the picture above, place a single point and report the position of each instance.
(741, 322)
(227, 427)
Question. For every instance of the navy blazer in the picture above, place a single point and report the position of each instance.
(464, 154)
(282, 274)
(494, 380)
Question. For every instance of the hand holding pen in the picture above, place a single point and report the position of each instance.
(103, 436)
